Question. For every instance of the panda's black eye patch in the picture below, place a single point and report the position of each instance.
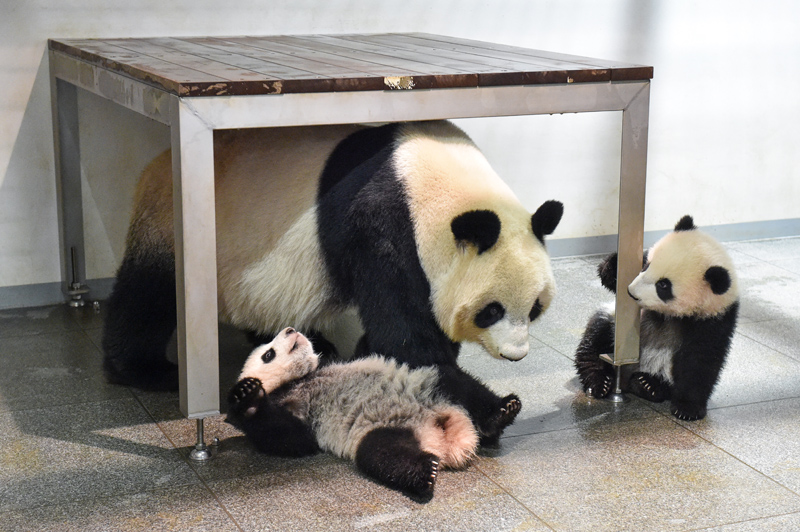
(664, 290)
(535, 311)
(646, 265)
(268, 356)
(489, 315)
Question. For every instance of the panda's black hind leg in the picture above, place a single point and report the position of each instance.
(490, 413)
(596, 376)
(393, 457)
(139, 322)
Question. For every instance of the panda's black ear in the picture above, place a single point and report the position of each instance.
(719, 279)
(685, 224)
(545, 220)
(481, 228)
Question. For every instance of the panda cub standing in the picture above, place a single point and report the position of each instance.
(689, 298)
(400, 425)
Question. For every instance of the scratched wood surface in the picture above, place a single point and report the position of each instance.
(213, 66)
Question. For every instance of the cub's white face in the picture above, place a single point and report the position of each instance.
(288, 357)
(688, 273)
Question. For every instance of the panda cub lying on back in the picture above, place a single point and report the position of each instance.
(400, 425)
(689, 298)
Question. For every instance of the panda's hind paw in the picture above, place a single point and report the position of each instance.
(648, 387)
(688, 412)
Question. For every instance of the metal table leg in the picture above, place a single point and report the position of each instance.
(631, 228)
(195, 263)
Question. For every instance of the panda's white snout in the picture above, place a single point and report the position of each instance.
(511, 340)
(292, 339)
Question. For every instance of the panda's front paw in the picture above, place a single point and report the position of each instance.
(648, 387)
(601, 387)
(244, 396)
(507, 410)
(508, 413)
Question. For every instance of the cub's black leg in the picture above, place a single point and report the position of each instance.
(392, 456)
(650, 387)
(596, 376)
(271, 428)
(490, 413)
(140, 319)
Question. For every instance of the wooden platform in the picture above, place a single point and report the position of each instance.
(215, 66)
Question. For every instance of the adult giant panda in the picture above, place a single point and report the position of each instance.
(399, 425)
(689, 297)
(408, 223)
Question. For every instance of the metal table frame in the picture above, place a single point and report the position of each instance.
(192, 121)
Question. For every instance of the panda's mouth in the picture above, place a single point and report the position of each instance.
(632, 296)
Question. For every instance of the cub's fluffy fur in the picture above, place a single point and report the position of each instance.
(689, 298)
(399, 425)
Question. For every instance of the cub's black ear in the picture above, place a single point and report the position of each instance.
(481, 228)
(719, 279)
(545, 220)
(607, 271)
(685, 224)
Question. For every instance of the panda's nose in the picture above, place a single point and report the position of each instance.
(289, 331)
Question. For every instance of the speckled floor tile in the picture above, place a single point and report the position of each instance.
(755, 373)
(184, 508)
(780, 335)
(52, 369)
(333, 496)
(768, 292)
(648, 475)
(59, 454)
(769, 250)
(763, 436)
(548, 386)
(37, 320)
(782, 523)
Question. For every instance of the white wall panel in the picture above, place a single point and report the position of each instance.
(724, 131)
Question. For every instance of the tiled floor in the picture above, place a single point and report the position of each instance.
(78, 454)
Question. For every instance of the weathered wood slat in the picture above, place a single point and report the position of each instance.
(207, 66)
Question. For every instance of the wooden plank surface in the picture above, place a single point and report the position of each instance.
(208, 66)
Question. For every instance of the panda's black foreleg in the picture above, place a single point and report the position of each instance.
(490, 413)
(393, 457)
(140, 319)
(596, 376)
(271, 429)
(698, 363)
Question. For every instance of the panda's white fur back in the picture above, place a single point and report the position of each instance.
(301, 294)
(345, 401)
(259, 210)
